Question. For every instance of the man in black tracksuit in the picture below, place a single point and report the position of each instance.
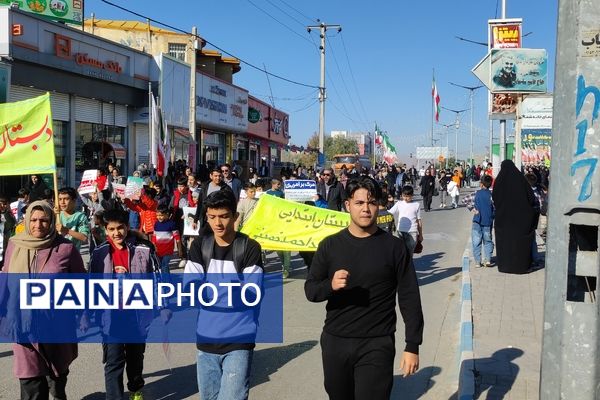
(360, 271)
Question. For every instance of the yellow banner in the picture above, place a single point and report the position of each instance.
(279, 224)
(26, 137)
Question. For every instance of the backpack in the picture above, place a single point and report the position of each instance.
(240, 244)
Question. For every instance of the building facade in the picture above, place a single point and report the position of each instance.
(94, 85)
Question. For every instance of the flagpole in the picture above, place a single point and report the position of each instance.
(432, 104)
(150, 137)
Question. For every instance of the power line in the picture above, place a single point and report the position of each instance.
(307, 107)
(281, 23)
(343, 80)
(353, 79)
(210, 43)
(285, 12)
(312, 20)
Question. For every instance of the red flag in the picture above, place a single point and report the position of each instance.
(436, 101)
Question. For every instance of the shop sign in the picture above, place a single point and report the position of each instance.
(505, 33)
(253, 115)
(112, 66)
(70, 11)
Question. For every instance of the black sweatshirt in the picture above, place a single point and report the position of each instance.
(379, 266)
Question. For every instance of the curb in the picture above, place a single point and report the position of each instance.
(466, 377)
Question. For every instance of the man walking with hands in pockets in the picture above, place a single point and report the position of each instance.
(360, 271)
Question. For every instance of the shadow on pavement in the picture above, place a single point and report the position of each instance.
(92, 396)
(496, 374)
(414, 386)
(427, 260)
(170, 385)
(436, 274)
(6, 354)
(266, 362)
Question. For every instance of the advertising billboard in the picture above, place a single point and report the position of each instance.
(519, 70)
(535, 115)
(70, 11)
(431, 153)
(505, 34)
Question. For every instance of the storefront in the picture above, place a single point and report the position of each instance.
(221, 110)
(94, 85)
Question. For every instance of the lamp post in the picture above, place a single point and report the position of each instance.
(456, 124)
(471, 89)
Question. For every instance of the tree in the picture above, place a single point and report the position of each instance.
(332, 146)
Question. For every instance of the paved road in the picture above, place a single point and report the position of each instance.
(293, 370)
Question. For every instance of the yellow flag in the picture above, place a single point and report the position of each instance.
(26, 137)
(279, 224)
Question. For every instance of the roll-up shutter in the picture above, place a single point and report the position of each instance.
(59, 102)
(88, 110)
(121, 115)
(142, 144)
(108, 114)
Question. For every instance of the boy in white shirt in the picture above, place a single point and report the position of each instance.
(407, 214)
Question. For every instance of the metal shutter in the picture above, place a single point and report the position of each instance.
(121, 115)
(108, 114)
(88, 110)
(142, 143)
(59, 102)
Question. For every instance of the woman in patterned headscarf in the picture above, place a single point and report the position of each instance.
(42, 368)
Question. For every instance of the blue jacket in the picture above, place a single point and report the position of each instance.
(485, 207)
(142, 260)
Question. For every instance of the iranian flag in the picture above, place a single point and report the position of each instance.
(436, 100)
(378, 137)
(158, 139)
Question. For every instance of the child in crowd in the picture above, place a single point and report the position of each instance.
(385, 220)
(146, 207)
(452, 189)
(125, 334)
(407, 214)
(246, 205)
(166, 238)
(482, 206)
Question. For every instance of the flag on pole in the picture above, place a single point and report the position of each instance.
(378, 137)
(166, 147)
(158, 159)
(436, 100)
(26, 137)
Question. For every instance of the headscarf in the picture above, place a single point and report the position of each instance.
(25, 245)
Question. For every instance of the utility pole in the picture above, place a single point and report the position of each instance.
(322, 96)
(471, 89)
(503, 121)
(456, 124)
(448, 151)
(192, 119)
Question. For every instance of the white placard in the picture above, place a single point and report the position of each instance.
(88, 181)
(299, 189)
(188, 220)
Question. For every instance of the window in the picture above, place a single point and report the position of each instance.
(177, 50)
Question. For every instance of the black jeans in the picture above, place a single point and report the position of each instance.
(118, 357)
(427, 199)
(358, 368)
(41, 387)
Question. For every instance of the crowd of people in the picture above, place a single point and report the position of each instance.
(49, 238)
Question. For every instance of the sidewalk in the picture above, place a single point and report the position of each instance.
(507, 322)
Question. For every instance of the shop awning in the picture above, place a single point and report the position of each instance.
(120, 151)
(184, 134)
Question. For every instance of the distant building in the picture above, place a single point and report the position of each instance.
(153, 40)
(363, 140)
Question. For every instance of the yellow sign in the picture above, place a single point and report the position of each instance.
(26, 137)
(279, 224)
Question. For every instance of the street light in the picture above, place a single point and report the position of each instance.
(471, 89)
(457, 112)
(447, 147)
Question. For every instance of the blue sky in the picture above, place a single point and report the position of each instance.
(379, 68)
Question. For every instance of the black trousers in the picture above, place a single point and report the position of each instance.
(119, 357)
(427, 199)
(358, 368)
(41, 387)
